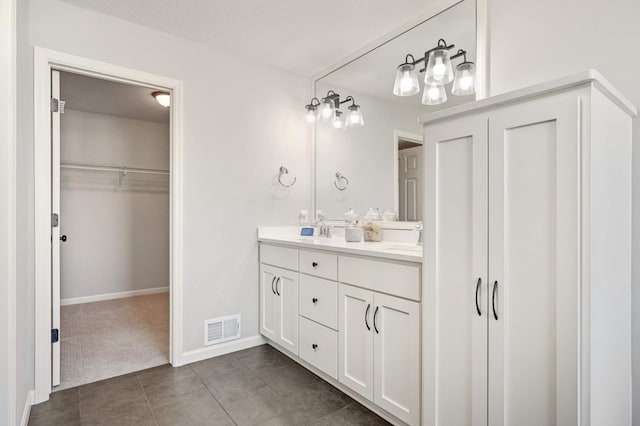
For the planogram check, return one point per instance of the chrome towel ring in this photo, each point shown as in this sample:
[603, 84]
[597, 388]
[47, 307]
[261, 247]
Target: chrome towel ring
[284, 171]
[341, 183]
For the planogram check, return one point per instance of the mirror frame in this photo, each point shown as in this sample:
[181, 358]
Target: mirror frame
[481, 60]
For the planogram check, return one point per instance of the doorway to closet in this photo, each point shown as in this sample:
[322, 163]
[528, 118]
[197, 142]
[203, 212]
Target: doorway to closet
[111, 267]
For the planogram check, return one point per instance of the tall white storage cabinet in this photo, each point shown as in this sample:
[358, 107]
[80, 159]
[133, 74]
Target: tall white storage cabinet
[527, 268]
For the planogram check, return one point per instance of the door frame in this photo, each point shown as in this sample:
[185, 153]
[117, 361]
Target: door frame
[397, 136]
[44, 61]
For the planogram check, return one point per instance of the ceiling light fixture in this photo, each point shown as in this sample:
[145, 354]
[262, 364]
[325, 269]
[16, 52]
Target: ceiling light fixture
[438, 72]
[163, 98]
[327, 110]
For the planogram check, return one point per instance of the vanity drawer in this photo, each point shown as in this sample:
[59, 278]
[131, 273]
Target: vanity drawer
[398, 279]
[324, 355]
[321, 265]
[318, 300]
[279, 256]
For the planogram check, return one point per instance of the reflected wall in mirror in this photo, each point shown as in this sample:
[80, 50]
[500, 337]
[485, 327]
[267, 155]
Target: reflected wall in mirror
[379, 165]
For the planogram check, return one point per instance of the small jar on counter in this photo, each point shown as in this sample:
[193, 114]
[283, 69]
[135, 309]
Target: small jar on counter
[352, 228]
[372, 225]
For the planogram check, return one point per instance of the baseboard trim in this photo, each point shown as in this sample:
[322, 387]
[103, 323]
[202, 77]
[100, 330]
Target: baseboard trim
[110, 296]
[220, 349]
[26, 411]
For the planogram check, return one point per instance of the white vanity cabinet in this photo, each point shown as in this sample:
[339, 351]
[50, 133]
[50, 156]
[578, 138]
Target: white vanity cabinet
[527, 258]
[357, 319]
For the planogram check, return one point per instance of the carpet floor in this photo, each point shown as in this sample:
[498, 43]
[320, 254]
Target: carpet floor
[107, 339]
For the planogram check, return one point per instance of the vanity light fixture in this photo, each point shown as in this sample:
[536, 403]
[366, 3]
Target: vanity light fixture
[438, 72]
[327, 110]
[163, 98]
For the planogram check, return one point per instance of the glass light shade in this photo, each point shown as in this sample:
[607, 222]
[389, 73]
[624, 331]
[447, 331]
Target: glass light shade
[338, 122]
[406, 83]
[311, 115]
[354, 117]
[465, 81]
[162, 98]
[327, 111]
[439, 69]
[434, 94]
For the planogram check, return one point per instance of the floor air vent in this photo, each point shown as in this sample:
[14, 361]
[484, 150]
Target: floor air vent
[221, 329]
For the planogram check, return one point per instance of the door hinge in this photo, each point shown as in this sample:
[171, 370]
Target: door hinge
[57, 105]
[55, 335]
[55, 220]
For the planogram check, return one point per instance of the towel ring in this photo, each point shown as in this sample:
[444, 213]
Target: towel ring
[338, 183]
[284, 171]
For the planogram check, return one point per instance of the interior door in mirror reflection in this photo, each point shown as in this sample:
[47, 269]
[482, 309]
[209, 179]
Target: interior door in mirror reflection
[410, 176]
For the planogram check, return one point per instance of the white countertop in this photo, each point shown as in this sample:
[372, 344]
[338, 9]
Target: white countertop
[391, 249]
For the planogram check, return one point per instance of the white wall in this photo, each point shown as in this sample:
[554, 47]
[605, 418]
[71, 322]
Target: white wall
[531, 42]
[363, 154]
[118, 235]
[242, 121]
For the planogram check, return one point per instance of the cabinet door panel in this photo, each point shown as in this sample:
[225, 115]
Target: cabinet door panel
[268, 303]
[286, 287]
[356, 339]
[455, 273]
[533, 257]
[396, 340]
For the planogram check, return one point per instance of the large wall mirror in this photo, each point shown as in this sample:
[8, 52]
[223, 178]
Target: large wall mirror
[379, 164]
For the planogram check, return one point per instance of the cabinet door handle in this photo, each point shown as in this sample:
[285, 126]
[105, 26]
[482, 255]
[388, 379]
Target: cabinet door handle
[375, 315]
[493, 300]
[314, 346]
[273, 281]
[277, 282]
[314, 264]
[314, 300]
[477, 291]
[366, 315]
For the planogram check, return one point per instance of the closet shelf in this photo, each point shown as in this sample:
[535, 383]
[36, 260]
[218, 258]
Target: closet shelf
[103, 168]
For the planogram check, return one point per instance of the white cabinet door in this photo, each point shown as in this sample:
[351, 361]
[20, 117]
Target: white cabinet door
[455, 273]
[286, 287]
[269, 320]
[396, 323]
[534, 263]
[355, 346]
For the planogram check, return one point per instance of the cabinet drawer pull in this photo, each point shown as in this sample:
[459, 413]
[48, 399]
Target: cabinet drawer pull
[477, 291]
[375, 315]
[277, 282]
[366, 315]
[314, 346]
[314, 264]
[314, 300]
[493, 300]
[272, 281]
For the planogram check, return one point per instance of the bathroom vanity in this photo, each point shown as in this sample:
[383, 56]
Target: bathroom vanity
[350, 312]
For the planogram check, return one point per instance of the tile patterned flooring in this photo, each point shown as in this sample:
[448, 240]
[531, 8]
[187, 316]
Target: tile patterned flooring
[113, 337]
[256, 386]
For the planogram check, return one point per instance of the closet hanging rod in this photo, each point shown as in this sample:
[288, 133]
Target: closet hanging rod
[101, 168]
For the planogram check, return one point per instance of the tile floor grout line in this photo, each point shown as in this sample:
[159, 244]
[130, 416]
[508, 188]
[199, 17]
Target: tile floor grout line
[214, 397]
[146, 397]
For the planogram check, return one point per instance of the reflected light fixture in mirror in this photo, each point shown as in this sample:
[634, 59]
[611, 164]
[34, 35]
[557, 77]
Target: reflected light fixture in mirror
[327, 110]
[162, 98]
[438, 72]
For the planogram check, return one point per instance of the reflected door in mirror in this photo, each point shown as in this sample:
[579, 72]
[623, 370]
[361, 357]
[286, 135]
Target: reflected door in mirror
[410, 180]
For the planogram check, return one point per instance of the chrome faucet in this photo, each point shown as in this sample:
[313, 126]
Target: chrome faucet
[419, 228]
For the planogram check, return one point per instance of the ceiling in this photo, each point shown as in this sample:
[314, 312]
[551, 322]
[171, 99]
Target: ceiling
[302, 36]
[108, 97]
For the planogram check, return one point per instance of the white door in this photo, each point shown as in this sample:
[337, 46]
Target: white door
[455, 273]
[286, 287]
[355, 345]
[410, 174]
[55, 232]
[268, 303]
[396, 354]
[534, 264]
